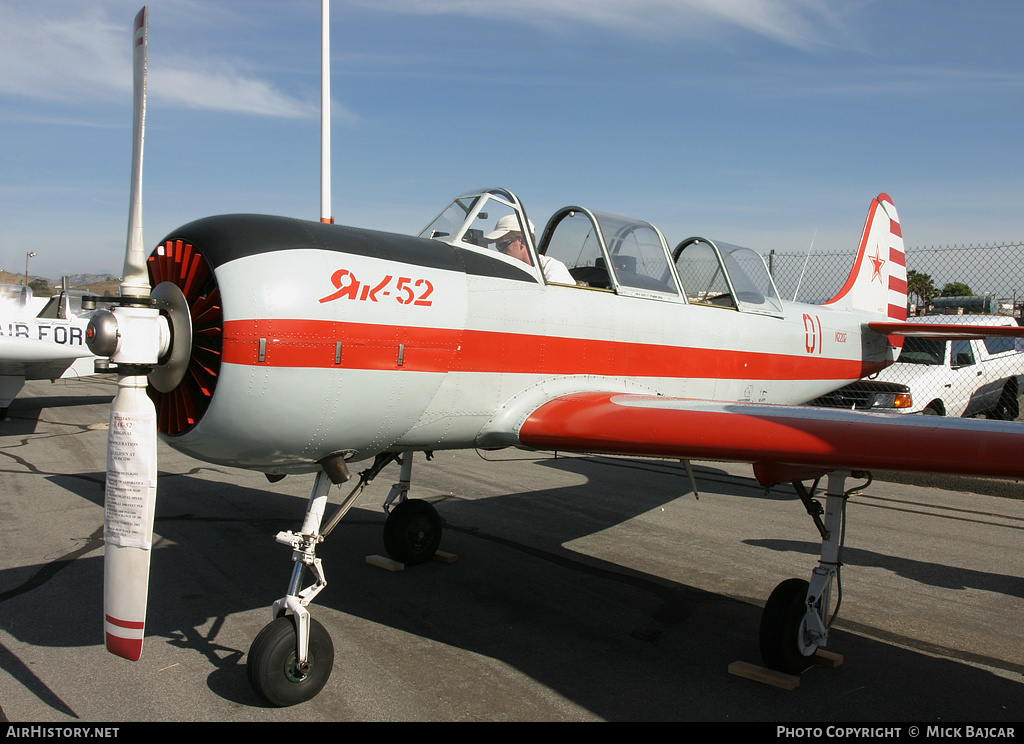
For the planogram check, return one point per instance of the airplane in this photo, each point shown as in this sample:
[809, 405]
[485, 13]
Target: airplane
[45, 346]
[290, 346]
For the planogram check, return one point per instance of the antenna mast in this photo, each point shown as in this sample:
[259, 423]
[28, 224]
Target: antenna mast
[325, 112]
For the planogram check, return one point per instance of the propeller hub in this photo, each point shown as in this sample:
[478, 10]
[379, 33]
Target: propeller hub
[101, 334]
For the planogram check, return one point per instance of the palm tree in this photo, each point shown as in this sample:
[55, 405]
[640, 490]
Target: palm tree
[921, 286]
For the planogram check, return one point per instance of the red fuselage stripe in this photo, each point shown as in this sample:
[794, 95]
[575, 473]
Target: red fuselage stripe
[314, 344]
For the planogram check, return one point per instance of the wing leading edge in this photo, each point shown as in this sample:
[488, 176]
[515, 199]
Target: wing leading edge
[945, 330]
[784, 443]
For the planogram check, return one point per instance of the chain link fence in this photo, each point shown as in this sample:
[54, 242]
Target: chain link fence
[979, 284]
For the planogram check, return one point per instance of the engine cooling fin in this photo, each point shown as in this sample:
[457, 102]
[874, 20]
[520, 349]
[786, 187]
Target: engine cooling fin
[178, 262]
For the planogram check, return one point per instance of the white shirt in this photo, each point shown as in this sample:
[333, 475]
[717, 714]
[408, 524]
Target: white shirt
[555, 271]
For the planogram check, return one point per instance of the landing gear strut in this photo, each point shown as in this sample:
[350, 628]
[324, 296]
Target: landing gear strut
[291, 659]
[795, 621]
[412, 532]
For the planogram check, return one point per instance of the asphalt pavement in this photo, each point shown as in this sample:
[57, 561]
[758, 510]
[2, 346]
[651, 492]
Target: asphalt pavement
[582, 589]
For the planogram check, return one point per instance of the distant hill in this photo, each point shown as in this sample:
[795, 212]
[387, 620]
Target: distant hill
[78, 281]
[101, 284]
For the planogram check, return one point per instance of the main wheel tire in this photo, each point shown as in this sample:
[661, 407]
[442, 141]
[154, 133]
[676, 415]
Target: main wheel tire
[412, 532]
[782, 626]
[272, 669]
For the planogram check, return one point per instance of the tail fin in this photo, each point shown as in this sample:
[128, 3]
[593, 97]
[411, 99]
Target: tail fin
[878, 281]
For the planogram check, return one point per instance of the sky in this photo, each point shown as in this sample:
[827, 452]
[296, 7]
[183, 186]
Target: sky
[764, 123]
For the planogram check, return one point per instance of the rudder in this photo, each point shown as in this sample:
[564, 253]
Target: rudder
[877, 284]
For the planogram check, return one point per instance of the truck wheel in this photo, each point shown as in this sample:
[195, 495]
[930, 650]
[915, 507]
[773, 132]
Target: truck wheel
[1007, 409]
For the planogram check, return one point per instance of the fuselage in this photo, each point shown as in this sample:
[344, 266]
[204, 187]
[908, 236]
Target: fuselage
[344, 341]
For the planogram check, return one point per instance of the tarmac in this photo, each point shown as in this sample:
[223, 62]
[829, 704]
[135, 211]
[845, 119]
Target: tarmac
[580, 589]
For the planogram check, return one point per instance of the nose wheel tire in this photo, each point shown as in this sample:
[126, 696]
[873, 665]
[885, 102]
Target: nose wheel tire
[412, 532]
[783, 647]
[272, 666]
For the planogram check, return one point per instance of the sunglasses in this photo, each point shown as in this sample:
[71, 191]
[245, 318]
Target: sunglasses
[503, 246]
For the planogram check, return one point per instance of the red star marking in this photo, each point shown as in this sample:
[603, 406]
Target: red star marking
[877, 264]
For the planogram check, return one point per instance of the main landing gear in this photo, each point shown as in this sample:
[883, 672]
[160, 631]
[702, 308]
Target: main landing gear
[291, 659]
[795, 621]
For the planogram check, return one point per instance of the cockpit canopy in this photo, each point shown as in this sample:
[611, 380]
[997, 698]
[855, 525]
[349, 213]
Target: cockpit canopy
[723, 275]
[471, 217]
[612, 253]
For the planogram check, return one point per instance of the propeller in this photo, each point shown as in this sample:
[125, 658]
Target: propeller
[135, 336]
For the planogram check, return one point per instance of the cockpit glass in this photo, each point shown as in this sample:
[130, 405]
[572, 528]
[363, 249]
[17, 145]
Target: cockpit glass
[702, 276]
[448, 224]
[754, 287]
[638, 253]
[471, 218]
[485, 221]
[726, 275]
[575, 242]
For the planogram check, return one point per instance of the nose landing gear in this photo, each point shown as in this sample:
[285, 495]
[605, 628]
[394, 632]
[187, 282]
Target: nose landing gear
[291, 659]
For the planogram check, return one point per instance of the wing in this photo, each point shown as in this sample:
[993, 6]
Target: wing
[945, 330]
[784, 443]
[37, 360]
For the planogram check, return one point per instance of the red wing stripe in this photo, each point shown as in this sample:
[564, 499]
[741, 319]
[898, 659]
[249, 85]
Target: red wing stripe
[313, 343]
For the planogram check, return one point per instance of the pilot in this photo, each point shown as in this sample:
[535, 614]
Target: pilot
[509, 240]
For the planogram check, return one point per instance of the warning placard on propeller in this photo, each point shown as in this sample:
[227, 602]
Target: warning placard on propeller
[131, 479]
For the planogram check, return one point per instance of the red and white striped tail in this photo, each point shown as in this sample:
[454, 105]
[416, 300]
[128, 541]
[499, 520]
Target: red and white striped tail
[877, 284]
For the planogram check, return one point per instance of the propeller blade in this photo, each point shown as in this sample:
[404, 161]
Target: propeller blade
[129, 504]
[130, 493]
[135, 279]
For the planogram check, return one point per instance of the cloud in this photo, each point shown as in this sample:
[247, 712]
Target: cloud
[79, 56]
[225, 89]
[796, 23]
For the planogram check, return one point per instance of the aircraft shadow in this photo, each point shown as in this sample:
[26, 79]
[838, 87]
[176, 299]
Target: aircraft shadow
[621, 643]
[24, 414]
[923, 572]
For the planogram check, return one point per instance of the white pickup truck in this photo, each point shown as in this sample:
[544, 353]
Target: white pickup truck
[961, 378]
[936, 377]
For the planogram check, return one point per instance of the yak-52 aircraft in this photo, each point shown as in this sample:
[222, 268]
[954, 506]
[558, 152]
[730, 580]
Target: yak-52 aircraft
[408, 344]
[41, 346]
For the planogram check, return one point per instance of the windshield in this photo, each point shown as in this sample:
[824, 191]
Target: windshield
[923, 351]
[18, 294]
[471, 217]
[449, 223]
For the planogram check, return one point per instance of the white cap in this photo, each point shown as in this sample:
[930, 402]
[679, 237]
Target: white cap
[504, 226]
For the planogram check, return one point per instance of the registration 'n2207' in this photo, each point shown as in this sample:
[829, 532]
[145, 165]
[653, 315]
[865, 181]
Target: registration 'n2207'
[406, 290]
